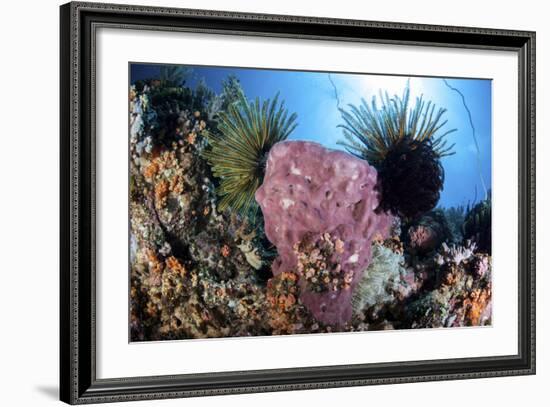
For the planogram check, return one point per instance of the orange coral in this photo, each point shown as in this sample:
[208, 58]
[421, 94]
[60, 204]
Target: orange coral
[155, 265]
[161, 193]
[167, 176]
[476, 304]
[377, 238]
[286, 301]
[173, 264]
[151, 170]
[226, 251]
[282, 291]
[451, 275]
[319, 263]
[176, 185]
[191, 137]
[151, 309]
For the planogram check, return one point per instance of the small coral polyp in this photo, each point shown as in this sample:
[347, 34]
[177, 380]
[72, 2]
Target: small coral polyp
[281, 295]
[320, 263]
[309, 190]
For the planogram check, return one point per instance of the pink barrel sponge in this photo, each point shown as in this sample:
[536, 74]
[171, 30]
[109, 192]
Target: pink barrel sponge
[309, 190]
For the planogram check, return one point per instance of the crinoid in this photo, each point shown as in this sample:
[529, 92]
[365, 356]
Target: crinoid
[405, 145]
[410, 178]
[238, 150]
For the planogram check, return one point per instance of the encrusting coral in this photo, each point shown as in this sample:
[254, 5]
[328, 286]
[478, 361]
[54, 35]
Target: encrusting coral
[191, 274]
[320, 263]
[428, 232]
[463, 292]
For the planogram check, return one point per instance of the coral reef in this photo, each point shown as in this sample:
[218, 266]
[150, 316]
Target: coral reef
[282, 297]
[311, 191]
[286, 313]
[160, 114]
[428, 232]
[477, 225]
[193, 269]
[168, 301]
[341, 244]
[423, 238]
[455, 219]
[320, 263]
[462, 295]
[455, 254]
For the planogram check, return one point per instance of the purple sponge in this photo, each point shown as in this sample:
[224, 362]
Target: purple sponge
[313, 193]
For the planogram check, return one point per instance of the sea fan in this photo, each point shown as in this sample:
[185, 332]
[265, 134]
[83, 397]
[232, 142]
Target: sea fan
[238, 153]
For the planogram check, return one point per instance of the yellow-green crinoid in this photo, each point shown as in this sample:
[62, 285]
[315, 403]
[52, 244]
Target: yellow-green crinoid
[238, 150]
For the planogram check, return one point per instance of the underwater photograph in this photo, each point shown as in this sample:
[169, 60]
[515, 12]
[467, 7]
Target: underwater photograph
[274, 202]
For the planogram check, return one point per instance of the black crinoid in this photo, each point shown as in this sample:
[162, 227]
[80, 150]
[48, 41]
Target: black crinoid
[405, 146]
[411, 178]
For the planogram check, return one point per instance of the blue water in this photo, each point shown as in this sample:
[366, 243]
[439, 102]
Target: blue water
[313, 97]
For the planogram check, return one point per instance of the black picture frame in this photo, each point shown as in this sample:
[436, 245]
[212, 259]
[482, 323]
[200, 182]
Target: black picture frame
[78, 382]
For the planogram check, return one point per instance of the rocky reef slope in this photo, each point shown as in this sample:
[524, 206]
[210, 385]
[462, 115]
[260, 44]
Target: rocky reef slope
[320, 257]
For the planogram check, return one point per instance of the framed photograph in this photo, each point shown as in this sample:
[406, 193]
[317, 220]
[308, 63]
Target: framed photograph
[255, 203]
